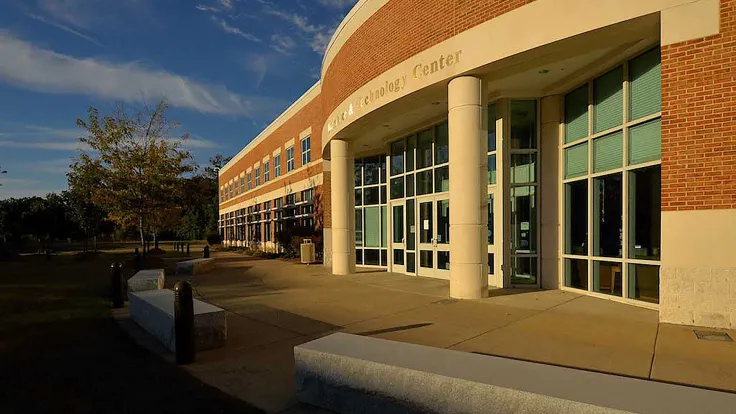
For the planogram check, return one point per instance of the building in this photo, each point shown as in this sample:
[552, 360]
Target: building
[564, 144]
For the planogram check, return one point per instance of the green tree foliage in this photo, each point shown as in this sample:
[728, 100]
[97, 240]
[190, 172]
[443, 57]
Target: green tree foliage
[136, 166]
[200, 202]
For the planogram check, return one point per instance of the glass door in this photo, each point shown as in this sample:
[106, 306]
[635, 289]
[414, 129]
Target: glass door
[398, 237]
[434, 237]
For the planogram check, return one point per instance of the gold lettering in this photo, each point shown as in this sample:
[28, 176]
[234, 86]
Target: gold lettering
[449, 60]
[442, 62]
[434, 67]
[416, 69]
[425, 70]
[457, 56]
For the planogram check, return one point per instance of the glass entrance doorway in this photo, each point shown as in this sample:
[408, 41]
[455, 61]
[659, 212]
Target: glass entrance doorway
[434, 237]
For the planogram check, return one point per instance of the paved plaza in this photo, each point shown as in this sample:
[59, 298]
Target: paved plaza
[273, 305]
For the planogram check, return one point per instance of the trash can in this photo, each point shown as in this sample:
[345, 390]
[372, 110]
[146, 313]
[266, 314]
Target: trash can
[307, 251]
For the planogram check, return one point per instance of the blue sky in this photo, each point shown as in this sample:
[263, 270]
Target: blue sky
[227, 68]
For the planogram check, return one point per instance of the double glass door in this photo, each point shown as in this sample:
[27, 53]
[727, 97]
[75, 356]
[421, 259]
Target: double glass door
[433, 228]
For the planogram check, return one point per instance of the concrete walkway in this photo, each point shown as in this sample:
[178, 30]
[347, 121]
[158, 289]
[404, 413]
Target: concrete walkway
[274, 305]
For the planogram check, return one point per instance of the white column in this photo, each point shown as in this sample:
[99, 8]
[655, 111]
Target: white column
[468, 188]
[343, 210]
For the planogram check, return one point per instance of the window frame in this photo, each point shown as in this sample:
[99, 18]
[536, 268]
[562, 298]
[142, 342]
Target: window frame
[306, 152]
[290, 159]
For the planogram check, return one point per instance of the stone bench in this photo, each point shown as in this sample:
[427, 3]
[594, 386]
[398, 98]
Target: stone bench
[150, 279]
[153, 310]
[355, 374]
[194, 266]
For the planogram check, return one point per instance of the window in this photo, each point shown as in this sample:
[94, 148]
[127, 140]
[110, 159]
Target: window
[371, 231]
[222, 194]
[242, 184]
[266, 172]
[306, 150]
[237, 186]
[289, 159]
[291, 199]
[258, 176]
[250, 182]
[308, 195]
[277, 166]
[612, 182]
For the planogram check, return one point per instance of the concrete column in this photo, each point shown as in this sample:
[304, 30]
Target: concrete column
[343, 210]
[468, 188]
[549, 177]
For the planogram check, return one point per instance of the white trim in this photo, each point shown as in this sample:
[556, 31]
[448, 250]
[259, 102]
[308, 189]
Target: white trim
[266, 159]
[276, 152]
[307, 132]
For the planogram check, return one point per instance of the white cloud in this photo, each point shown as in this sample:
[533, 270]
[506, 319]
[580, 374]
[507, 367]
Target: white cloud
[234, 30]
[64, 28]
[30, 67]
[259, 65]
[38, 131]
[339, 4]
[321, 40]
[228, 4]
[199, 143]
[301, 22]
[204, 8]
[318, 36]
[282, 43]
[44, 145]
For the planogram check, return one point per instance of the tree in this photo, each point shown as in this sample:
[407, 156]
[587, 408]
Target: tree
[201, 201]
[136, 165]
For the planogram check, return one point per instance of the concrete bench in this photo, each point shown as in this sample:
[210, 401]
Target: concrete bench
[153, 310]
[150, 279]
[194, 266]
[355, 374]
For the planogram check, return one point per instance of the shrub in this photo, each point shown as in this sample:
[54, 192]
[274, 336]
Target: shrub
[213, 238]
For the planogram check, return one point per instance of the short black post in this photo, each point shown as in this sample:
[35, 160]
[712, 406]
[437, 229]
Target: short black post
[207, 252]
[187, 249]
[137, 260]
[183, 322]
[48, 254]
[116, 285]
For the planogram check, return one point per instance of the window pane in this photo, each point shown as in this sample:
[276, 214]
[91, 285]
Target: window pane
[523, 168]
[645, 213]
[645, 142]
[441, 149]
[490, 219]
[383, 194]
[411, 229]
[398, 224]
[397, 187]
[397, 157]
[372, 226]
[608, 152]
[372, 170]
[644, 282]
[523, 124]
[358, 228]
[384, 258]
[358, 197]
[576, 114]
[372, 257]
[441, 179]
[524, 219]
[443, 260]
[525, 270]
[383, 169]
[576, 217]
[492, 169]
[410, 185]
[607, 216]
[371, 196]
[399, 257]
[358, 173]
[424, 149]
[424, 182]
[425, 258]
[359, 257]
[491, 264]
[384, 232]
[426, 231]
[608, 111]
[576, 160]
[646, 84]
[411, 262]
[576, 273]
[491, 127]
[443, 221]
[411, 144]
[607, 278]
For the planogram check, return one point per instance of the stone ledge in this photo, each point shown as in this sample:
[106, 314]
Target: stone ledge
[355, 374]
[194, 266]
[153, 310]
[150, 279]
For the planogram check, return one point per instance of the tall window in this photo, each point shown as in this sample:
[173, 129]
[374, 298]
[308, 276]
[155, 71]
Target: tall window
[306, 150]
[289, 159]
[266, 172]
[612, 181]
[242, 184]
[492, 187]
[258, 176]
[277, 166]
[250, 182]
[370, 211]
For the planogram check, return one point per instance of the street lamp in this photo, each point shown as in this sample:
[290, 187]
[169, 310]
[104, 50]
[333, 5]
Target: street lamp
[2, 173]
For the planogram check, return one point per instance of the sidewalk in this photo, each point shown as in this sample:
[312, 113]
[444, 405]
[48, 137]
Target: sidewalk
[274, 305]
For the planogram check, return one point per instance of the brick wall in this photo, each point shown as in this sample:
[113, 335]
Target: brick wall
[397, 31]
[699, 120]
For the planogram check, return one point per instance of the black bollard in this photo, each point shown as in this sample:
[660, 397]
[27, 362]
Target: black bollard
[48, 254]
[187, 249]
[137, 260]
[183, 322]
[116, 285]
[206, 251]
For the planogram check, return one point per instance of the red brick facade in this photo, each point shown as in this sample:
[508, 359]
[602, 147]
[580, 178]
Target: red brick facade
[699, 120]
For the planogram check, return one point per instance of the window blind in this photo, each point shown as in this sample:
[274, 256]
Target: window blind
[608, 152]
[576, 114]
[372, 226]
[645, 142]
[576, 160]
[609, 100]
[646, 84]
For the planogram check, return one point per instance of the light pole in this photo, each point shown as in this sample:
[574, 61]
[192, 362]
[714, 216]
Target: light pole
[2, 173]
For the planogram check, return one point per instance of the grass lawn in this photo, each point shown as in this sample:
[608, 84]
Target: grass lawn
[60, 350]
